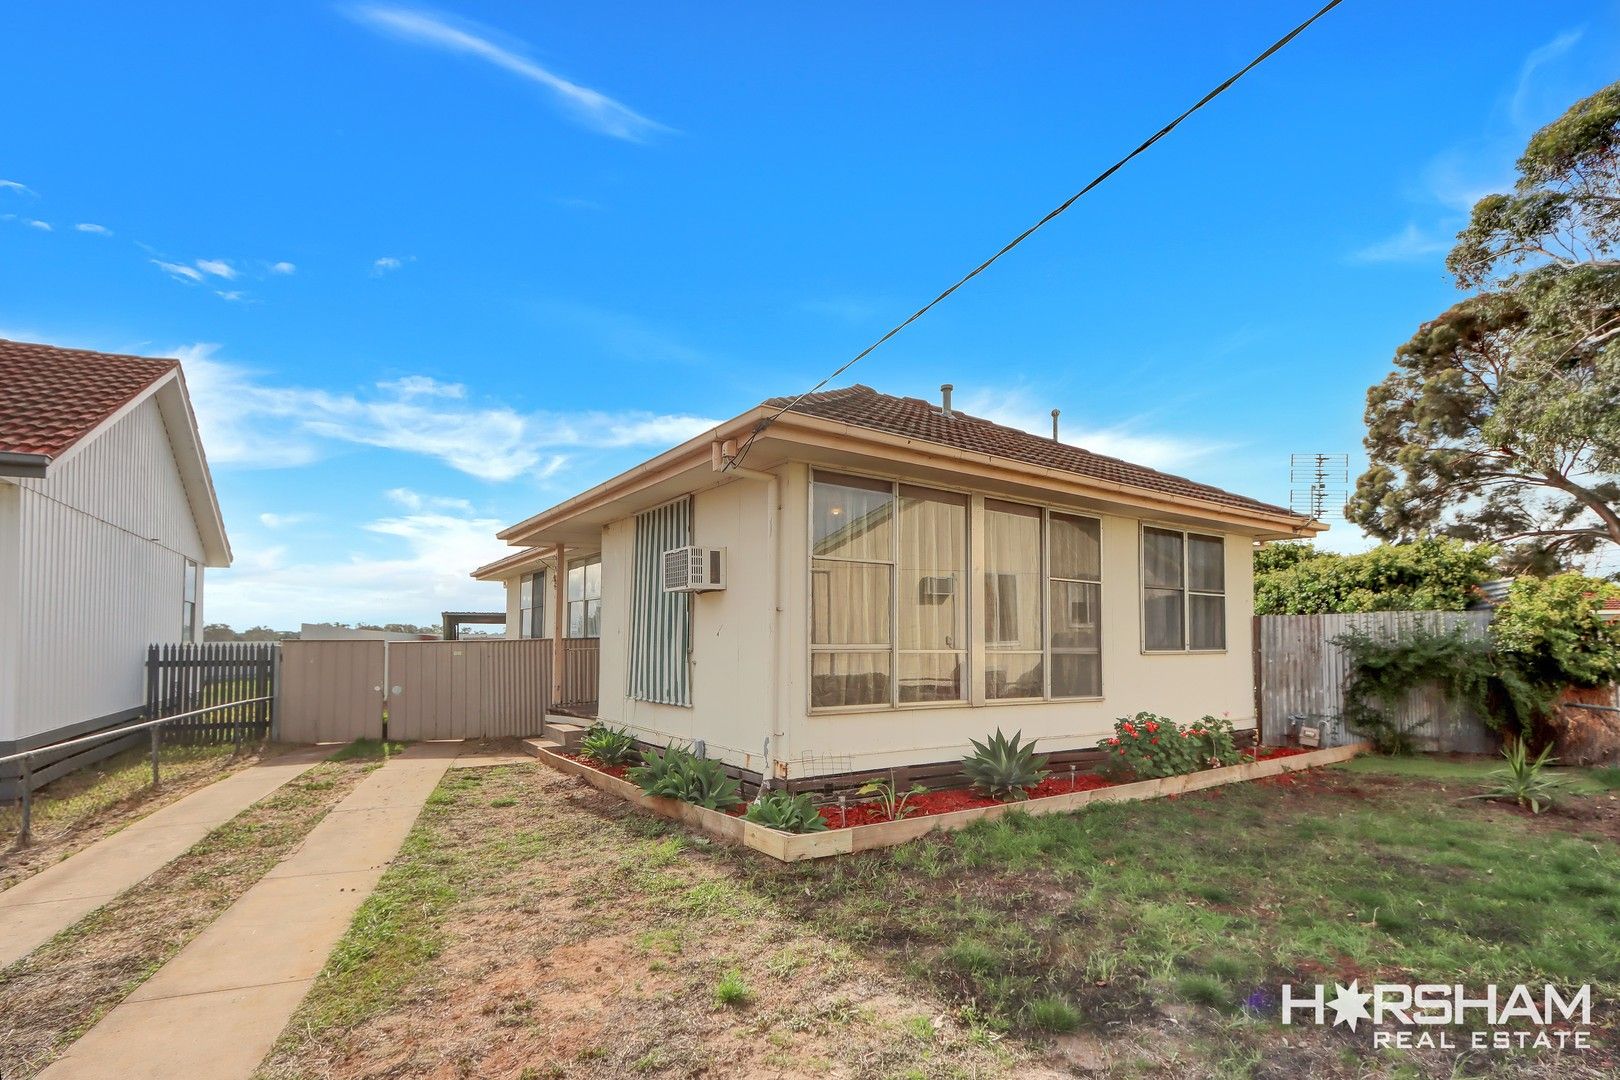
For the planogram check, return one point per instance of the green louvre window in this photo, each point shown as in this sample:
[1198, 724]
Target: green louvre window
[660, 622]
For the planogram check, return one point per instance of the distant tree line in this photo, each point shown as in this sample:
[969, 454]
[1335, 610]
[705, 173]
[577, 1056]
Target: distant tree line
[224, 632]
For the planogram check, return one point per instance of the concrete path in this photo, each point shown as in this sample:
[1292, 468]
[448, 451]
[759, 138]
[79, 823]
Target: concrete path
[36, 909]
[213, 1012]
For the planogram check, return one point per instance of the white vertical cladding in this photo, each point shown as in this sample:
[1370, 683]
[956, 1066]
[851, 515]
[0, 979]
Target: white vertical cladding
[514, 606]
[103, 542]
[10, 609]
[731, 632]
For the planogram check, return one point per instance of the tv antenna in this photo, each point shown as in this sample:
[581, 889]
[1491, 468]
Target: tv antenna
[1318, 484]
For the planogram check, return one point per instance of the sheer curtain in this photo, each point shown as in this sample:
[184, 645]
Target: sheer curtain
[851, 591]
[932, 601]
[1012, 602]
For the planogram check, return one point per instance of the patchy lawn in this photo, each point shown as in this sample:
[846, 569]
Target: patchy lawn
[75, 811]
[534, 927]
[53, 995]
[1132, 937]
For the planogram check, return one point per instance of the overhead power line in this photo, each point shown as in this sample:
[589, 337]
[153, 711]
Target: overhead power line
[1270, 51]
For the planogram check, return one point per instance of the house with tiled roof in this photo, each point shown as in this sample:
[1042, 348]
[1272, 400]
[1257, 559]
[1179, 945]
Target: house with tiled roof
[850, 580]
[108, 519]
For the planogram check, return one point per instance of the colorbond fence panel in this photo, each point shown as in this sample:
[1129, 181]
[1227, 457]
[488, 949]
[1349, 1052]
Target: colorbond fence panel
[1302, 672]
[467, 689]
[581, 670]
[330, 691]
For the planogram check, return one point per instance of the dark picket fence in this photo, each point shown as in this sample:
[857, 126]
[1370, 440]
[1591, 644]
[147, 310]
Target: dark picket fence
[240, 676]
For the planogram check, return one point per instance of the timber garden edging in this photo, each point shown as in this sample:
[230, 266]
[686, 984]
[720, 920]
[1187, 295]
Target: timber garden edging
[793, 847]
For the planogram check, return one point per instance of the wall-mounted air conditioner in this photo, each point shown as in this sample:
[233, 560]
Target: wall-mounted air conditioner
[936, 590]
[694, 569]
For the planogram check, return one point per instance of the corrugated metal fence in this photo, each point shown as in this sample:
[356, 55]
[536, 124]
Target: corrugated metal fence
[1301, 672]
[582, 667]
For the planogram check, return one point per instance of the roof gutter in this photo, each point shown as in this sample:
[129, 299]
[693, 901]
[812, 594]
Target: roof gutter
[32, 466]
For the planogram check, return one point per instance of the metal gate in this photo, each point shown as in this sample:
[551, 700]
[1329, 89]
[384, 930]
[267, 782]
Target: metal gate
[330, 691]
[467, 689]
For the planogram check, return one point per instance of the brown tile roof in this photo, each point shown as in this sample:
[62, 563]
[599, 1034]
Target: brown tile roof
[50, 398]
[914, 418]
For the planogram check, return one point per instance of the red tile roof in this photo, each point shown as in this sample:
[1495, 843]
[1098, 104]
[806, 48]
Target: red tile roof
[1611, 603]
[914, 418]
[50, 398]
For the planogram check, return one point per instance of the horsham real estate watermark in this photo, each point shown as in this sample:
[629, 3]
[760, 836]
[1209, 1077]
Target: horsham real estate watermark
[1449, 1016]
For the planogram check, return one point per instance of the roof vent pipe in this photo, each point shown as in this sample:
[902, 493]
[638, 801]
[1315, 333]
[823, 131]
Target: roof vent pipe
[1054, 425]
[945, 393]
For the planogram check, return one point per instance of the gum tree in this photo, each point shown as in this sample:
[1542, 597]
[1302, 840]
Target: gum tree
[1501, 420]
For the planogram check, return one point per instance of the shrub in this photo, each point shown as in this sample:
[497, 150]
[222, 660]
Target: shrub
[890, 802]
[1003, 769]
[1431, 574]
[790, 813]
[606, 745]
[1521, 780]
[1151, 747]
[676, 773]
[1551, 630]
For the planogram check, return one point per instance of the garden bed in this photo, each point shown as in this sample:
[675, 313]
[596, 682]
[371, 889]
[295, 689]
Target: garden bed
[943, 810]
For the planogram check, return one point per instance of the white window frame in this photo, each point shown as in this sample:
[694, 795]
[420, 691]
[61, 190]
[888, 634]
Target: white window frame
[190, 586]
[975, 632]
[585, 600]
[1187, 591]
[532, 617]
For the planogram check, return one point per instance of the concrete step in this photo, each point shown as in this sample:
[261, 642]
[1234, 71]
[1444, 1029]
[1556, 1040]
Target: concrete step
[532, 747]
[568, 735]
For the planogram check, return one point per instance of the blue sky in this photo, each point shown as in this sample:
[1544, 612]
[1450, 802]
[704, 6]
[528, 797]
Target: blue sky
[434, 269]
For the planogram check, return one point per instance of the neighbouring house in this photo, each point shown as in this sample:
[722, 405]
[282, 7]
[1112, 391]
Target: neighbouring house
[108, 520]
[875, 580]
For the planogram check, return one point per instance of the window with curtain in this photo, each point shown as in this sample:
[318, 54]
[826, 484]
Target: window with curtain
[584, 591]
[1014, 646]
[532, 606]
[852, 569]
[931, 599]
[1074, 605]
[1183, 591]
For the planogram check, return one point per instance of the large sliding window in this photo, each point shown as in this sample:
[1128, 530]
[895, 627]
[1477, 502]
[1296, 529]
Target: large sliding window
[890, 604]
[1183, 591]
[585, 598]
[532, 606]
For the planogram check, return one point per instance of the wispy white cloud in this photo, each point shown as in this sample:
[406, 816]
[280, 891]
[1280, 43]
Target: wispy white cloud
[283, 267]
[412, 500]
[92, 227]
[1411, 244]
[179, 271]
[283, 521]
[231, 295]
[19, 188]
[405, 567]
[249, 421]
[591, 108]
[1128, 440]
[388, 264]
[218, 268]
[1523, 97]
[42, 226]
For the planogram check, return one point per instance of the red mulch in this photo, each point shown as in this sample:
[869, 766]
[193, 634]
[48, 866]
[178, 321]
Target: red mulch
[951, 800]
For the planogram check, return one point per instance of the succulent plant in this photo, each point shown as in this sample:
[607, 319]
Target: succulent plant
[790, 813]
[680, 774]
[607, 745]
[1002, 768]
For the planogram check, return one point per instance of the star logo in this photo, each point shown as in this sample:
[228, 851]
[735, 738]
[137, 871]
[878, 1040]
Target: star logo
[1349, 1005]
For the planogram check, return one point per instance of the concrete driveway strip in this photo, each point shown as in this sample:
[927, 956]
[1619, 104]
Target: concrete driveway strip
[213, 1012]
[38, 908]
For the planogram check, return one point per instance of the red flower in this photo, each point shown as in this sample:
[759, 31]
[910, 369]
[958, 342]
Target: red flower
[1152, 727]
[1114, 741]
[1122, 749]
[1154, 740]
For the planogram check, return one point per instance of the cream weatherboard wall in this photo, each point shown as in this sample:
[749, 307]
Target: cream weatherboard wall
[94, 556]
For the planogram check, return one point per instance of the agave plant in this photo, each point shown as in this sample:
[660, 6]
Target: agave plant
[607, 745]
[679, 774]
[790, 813]
[890, 801]
[1002, 768]
[1522, 781]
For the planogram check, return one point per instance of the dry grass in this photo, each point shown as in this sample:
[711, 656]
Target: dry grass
[75, 811]
[56, 993]
[534, 927]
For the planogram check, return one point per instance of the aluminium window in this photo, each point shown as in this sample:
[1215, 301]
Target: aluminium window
[188, 604]
[1183, 591]
[532, 606]
[584, 591]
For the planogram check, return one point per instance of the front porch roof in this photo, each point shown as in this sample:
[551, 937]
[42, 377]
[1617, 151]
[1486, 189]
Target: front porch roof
[861, 429]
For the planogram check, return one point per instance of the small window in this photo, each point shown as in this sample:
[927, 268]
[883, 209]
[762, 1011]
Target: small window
[1183, 591]
[585, 598]
[188, 604]
[532, 606]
